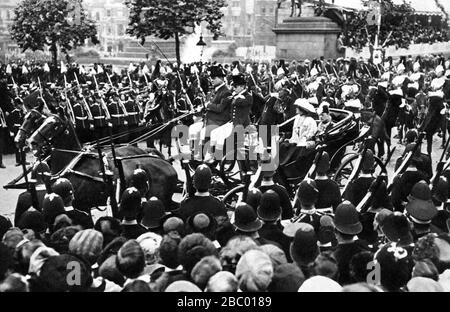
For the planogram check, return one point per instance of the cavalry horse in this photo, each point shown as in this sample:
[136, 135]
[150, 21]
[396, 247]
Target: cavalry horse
[56, 137]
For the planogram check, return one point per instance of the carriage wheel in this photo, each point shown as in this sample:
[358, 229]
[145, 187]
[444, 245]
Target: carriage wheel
[348, 165]
[231, 198]
[229, 169]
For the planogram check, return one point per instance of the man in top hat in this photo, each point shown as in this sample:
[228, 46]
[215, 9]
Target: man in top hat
[358, 188]
[329, 194]
[218, 110]
[347, 227]
[241, 102]
[202, 200]
[421, 210]
[269, 212]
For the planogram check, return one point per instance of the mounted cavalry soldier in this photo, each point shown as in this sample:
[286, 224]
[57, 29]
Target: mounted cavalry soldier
[15, 120]
[82, 118]
[100, 120]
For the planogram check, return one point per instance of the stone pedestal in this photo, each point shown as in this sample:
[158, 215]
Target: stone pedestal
[306, 37]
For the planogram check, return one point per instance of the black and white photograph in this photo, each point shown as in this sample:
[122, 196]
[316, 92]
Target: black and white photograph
[224, 146]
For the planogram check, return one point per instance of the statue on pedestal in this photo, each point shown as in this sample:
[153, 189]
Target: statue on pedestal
[295, 4]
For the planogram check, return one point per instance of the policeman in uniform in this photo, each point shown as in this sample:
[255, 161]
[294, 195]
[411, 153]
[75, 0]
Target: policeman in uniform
[329, 194]
[308, 195]
[420, 210]
[403, 184]
[64, 188]
[360, 186]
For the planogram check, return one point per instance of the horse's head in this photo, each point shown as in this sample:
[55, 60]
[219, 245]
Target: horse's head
[32, 120]
[43, 137]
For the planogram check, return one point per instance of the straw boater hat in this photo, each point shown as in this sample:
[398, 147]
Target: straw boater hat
[305, 105]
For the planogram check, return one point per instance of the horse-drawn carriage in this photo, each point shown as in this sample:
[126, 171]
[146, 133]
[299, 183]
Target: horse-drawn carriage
[345, 142]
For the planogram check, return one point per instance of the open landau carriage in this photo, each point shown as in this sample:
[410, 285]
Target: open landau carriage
[344, 142]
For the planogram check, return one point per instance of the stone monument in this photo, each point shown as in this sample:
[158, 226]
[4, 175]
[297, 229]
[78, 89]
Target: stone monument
[306, 36]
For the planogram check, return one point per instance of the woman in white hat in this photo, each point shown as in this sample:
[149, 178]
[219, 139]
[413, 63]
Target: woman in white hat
[303, 132]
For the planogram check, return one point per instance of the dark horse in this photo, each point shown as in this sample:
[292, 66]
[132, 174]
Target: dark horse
[82, 166]
[163, 110]
[433, 120]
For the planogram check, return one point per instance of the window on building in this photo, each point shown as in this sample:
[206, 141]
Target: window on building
[236, 31]
[109, 31]
[108, 13]
[263, 11]
[97, 16]
[236, 4]
[120, 30]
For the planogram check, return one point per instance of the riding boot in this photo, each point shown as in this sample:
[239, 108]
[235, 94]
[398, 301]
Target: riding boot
[18, 157]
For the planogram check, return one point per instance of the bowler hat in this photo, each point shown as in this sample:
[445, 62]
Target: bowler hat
[395, 226]
[346, 219]
[245, 218]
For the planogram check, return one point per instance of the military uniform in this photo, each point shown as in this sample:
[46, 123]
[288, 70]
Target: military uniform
[82, 122]
[100, 122]
[15, 120]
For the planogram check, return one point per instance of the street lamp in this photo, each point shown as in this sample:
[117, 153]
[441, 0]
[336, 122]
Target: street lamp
[202, 44]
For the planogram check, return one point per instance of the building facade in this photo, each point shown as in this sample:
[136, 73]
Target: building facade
[7, 45]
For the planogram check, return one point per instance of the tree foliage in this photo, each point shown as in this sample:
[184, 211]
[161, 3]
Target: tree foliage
[52, 23]
[167, 19]
[395, 19]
